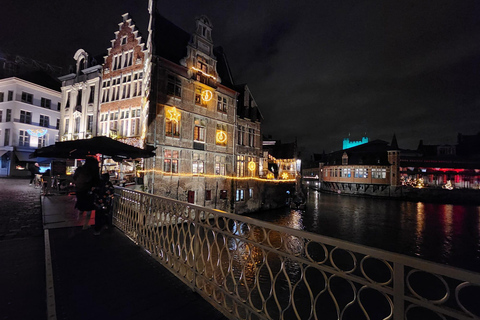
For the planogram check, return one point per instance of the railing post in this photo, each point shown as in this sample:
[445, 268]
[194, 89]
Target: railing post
[141, 215]
[196, 249]
[398, 291]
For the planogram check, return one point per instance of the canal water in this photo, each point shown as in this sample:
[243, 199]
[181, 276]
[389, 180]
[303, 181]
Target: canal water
[443, 233]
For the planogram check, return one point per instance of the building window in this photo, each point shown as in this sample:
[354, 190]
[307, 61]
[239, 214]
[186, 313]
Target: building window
[124, 40]
[222, 104]
[198, 97]
[42, 141]
[174, 86]
[27, 97]
[1, 96]
[10, 96]
[223, 194]
[220, 165]
[135, 123]
[208, 195]
[25, 117]
[58, 124]
[198, 163]
[378, 173]
[89, 123]
[250, 192]
[23, 139]
[91, 97]
[221, 137]
[44, 121]
[172, 123]
[137, 84]
[241, 135]
[240, 195]
[199, 130]
[170, 161]
[67, 124]
[6, 138]
[45, 103]
[240, 166]
[106, 91]
[77, 125]
[58, 106]
[127, 83]
[8, 116]
[1, 115]
[79, 98]
[251, 137]
[202, 64]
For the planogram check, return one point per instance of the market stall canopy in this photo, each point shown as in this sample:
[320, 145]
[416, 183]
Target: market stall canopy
[79, 149]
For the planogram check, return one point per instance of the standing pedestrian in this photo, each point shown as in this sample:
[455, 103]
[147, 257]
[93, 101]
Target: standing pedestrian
[34, 170]
[86, 179]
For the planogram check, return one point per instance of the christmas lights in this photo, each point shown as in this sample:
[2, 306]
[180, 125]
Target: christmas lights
[251, 166]
[173, 114]
[37, 132]
[268, 179]
[207, 95]
[221, 136]
[205, 74]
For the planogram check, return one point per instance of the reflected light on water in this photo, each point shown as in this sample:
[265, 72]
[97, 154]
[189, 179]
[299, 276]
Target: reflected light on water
[420, 228]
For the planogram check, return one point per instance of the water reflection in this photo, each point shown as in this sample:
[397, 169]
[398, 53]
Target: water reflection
[444, 233]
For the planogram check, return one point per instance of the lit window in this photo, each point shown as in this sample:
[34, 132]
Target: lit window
[199, 130]
[23, 139]
[170, 161]
[240, 195]
[198, 163]
[221, 137]
[172, 122]
[220, 165]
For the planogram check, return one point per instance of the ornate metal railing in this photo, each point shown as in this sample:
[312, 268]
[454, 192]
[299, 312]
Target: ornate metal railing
[250, 269]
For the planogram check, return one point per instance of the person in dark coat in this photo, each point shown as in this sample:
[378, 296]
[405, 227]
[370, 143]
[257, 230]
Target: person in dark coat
[33, 171]
[86, 179]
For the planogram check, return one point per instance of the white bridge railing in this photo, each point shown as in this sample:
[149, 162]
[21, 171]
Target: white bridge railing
[249, 269]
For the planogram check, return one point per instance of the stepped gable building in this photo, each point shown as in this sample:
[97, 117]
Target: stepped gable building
[123, 107]
[29, 119]
[80, 98]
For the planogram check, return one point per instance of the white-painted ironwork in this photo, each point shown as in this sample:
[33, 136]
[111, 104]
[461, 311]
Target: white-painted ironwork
[250, 269]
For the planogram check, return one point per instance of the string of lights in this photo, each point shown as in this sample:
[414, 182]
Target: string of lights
[214, 176]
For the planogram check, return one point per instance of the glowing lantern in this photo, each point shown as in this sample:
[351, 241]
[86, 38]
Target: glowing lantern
[251, 166]
[221, 136]
[207, 95]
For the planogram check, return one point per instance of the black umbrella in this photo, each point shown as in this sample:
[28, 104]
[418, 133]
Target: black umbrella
[79, 149]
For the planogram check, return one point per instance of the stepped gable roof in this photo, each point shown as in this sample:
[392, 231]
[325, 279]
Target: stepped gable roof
[42, 78]
[371, 153]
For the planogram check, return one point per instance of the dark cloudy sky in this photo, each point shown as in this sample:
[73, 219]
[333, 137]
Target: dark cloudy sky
[319, 70]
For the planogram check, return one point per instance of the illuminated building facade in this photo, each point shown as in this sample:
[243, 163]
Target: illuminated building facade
[29, 119]
[122, 104]
[350, 144]
[370, 168]
[248, 151]
[192, 116]
[80, 98]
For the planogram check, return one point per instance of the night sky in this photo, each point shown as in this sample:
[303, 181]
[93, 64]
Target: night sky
[320, 71]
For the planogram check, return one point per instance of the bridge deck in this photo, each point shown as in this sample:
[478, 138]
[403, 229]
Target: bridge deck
[109, 277]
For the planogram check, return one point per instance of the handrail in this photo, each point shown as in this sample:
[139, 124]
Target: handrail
[251, 269]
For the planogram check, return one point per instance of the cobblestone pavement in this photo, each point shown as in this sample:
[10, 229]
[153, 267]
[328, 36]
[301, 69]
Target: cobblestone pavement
[20, 209]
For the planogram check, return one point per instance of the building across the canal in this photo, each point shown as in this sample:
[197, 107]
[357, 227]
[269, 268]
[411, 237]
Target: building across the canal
[378, 168]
